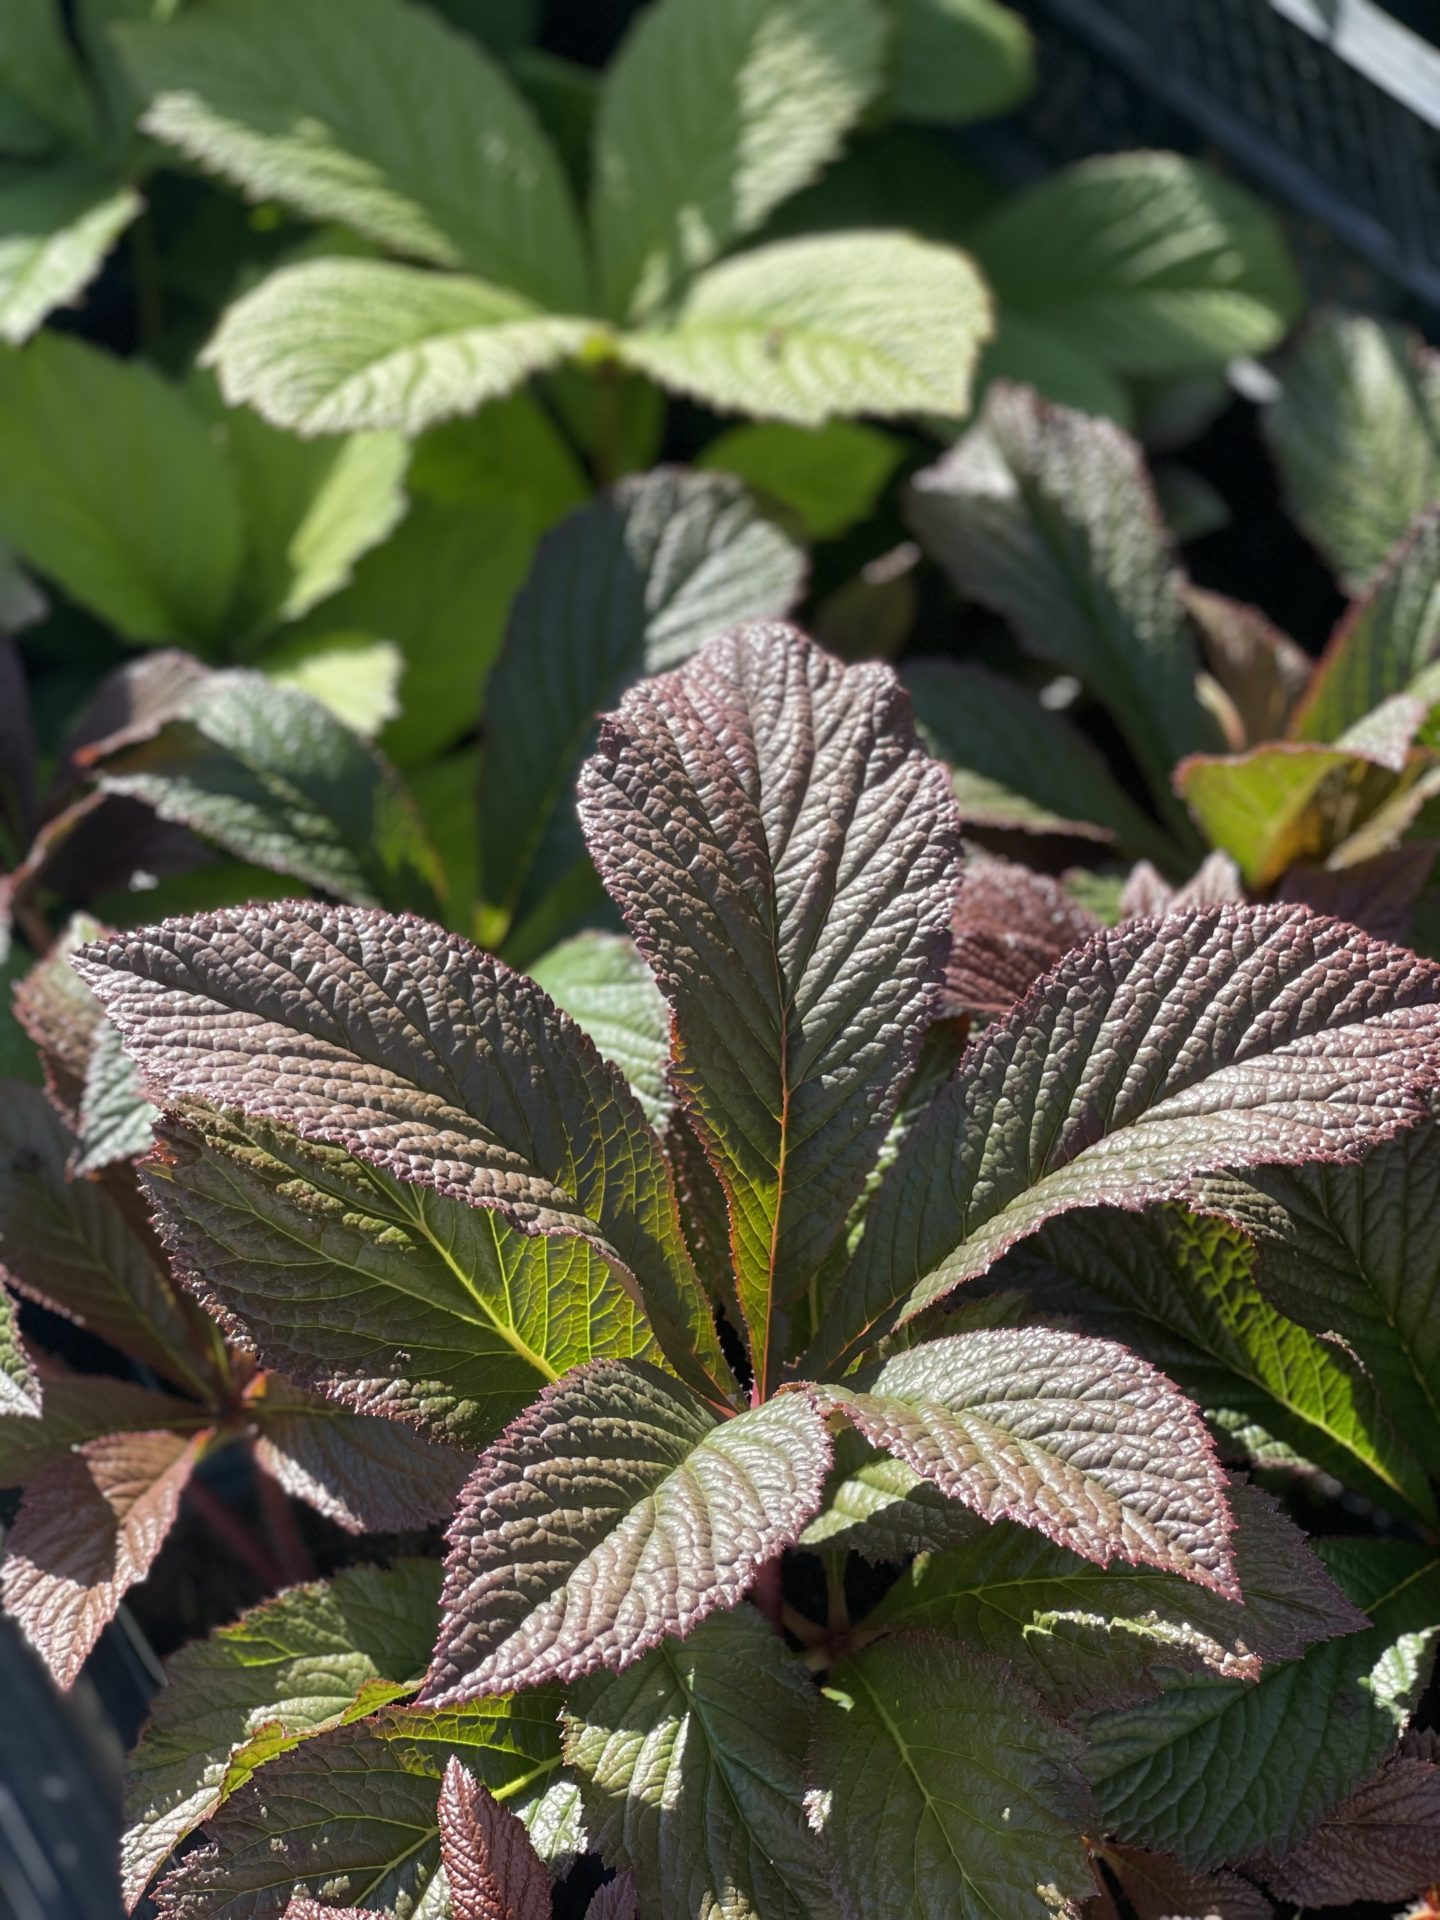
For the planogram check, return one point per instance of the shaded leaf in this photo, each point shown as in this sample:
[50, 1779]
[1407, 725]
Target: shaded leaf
[1383, 1844]
[43, 98]
[1011, 925]
[1147, 895]
[613, 1513]
[1260, 671]
[88, 1528]
[316, 1657]
[602, 982]
[1381, 894]
[57, 227]
[492, 1870]
[117, 1122]
[80, 1407]
[20, 1393]
[632, 584]
[944, 1788]
[615, 1900]
[792, 892]
[876, 1506]
[344, 346]
[827, 477]
[803, 330]
[958, 60]
[1214, 1038]
[688, 1787]
[387, 142]
[1159, 1888]
[429, 1051]
[708, 120]
[1355, 433]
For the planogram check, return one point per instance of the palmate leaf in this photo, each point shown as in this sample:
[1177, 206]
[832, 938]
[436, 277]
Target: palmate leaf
[941, 1786]
[341, 346]
[1047, 516]
[89, 1526]
[1072, 1436]
[1088, 1636]
[386, 1296]
[375, 1785]
[699, 1795]
[802, 330]
[419, 1055]
[1214, 1770]
[80, 1407]
[352, 675]
[1245, 1362]
[406, 132]
[615, 1900]
[1355, 433]
[708, 119]
[57, 227]
[1213, 1038]
[792, 893]
[613, 1513]
[634, 583]
[316, 1657]
[491, 1869]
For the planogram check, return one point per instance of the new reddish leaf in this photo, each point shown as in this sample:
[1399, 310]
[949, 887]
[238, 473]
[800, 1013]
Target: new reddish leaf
[493, 1871]
[1011, 925]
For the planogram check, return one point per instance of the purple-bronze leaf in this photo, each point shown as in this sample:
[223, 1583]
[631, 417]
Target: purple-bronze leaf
[1382, 1844]
[1011, 925]
[89, 1527]
[1158, 1887]
[613, 1513]
[1230, 1037]
[411, 1049]
[615, 1900]
[786, 856]
[1072, 1436]
[493, 1870]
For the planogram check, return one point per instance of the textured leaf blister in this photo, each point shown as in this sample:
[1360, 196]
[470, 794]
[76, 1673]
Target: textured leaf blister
[1383, 1844]
[414, 1051]
[1075, 1437]
[786, 856]
[614, 1512]
[1230, 1037]
[492, 1870]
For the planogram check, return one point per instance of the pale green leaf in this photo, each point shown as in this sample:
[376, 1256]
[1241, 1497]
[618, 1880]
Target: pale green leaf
[828, 477]
[803, 330]
[354, 677]
[398, 127]
[20, 1393]
[56, 228]
[339, 346]
[510, 454]
[958, 60]
[710, 116]
[116, 1120]
[601, 981]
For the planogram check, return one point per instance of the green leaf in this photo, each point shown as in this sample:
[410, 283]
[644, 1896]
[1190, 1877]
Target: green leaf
[1016, 765]
[1150, 262]
[793, 896]
[20, 1393]
[44, 103]
[511, 454]
[1197, 1278]
[691, 1789]
[1260, 671]
[407, 132]
[1041, 356]
[1086, 1636]
[1355, 433]
[1047, 516]
[316, 1657]
[1159, 1051]
[877, 1506]
[432, 1051]
[341, 346]
[273, 777]
[616, 1512]
[389, 1297]
[828, 477]
[352, 676]
[352, 1812]
[632, 584]
[1381, 1845]
[1385, 643]
[958, 60]
[709, 119]
[1214, 1770]
[601, 981]
[56, 228]
[803, 330]
[116, 1120]
[1074, 1437]
[944, 1788]
[111, 485]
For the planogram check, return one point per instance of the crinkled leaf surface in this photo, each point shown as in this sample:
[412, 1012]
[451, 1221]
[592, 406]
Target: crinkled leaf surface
[389, 1297]
[615, 1900]
[57, 225]
[633, 583]
[315, 1657]
[1355, 433]
[1072, 1436]
[844, 323]
[615, 1512]
[117, 1122]
[602, 982]
[80, 1407]
[945, 1789]
[353, 1812]
[1087, 1636]
[20, 1392]
[876, 1506]
[785, 855]
[689, 1786]
[344, 346]
[1214, 1038]
[1047, 516]
[404, 131]
[88, 1528]
[710, 117]
[492, 1870]
[417, 1054]
[1011, 925]
[1383, 1844]
[1213, 1770]
[1159, 1888]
